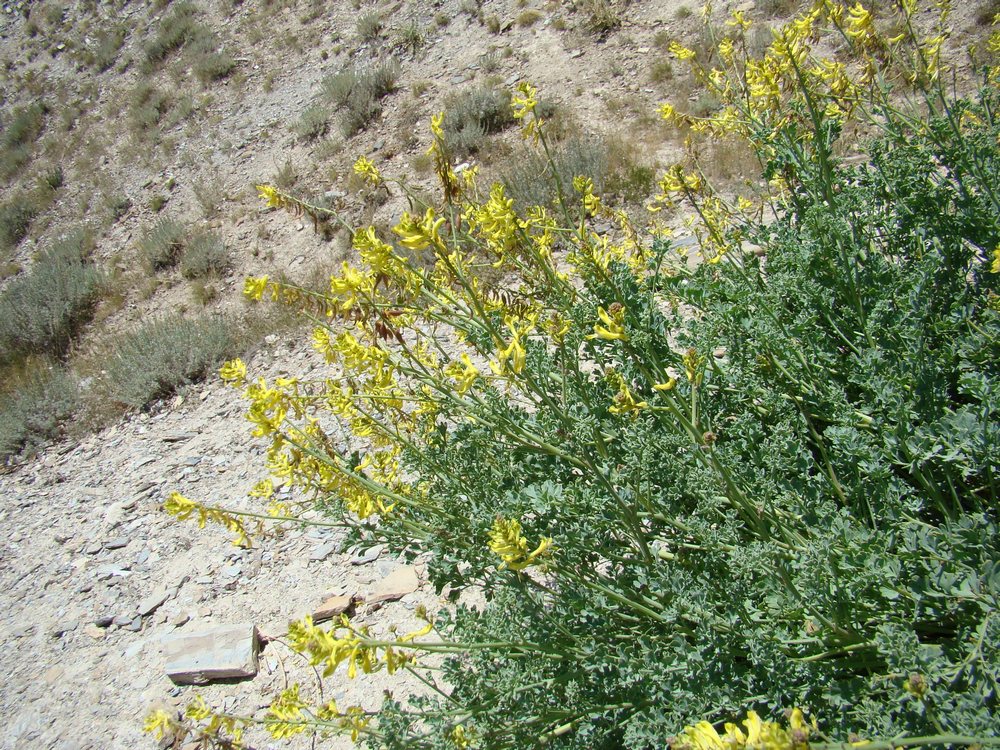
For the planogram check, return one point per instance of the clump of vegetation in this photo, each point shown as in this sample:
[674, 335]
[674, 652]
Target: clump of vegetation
[601, 15]
[158, 358]
[530, 17]
[35, 406]
[410, 37]
[613, 166]
[108, 45]
[358, 93]
[16, 215]
[314, 122]
[148, 105]
[369, 26]
[181, 29]
[20, 131]
[41, 310]
[745, 502]
[474, 114]
[204, 255]
[161, 245]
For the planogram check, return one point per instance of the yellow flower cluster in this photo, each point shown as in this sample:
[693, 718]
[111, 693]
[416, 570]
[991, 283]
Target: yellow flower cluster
[755, 735]
[183, 508]
[507, 541]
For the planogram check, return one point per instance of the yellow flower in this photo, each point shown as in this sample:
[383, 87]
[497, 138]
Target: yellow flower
[464, 372]
[459, 737]
[285, 717]
[160, 722]
[524, 101]
[612, 330]
[253, 288]
[669, 385]
[668, 112]
[507, 541]
[418, 234]
[739, 20]
[995, 266]
[860, 26]
[234, 372]
[680, 51]
[271, 195]
[366, 169]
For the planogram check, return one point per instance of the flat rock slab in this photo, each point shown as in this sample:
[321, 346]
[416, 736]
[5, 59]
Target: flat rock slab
[396, 585]
[335, 606]
[223, 653]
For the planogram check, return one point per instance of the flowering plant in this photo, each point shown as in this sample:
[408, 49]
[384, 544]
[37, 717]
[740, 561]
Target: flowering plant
[763, 484]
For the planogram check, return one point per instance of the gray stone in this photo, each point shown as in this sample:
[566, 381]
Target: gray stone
[177, 437]
[116, 543]
[221, 653]
[152, 603]
[369, 555]
[135, 626]
[320, 553]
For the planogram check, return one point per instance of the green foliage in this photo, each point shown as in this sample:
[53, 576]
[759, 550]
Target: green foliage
[761, 479]
[530, 17]
[472, 115]
[161, 356]
[161, 244]
[41, 310]
[204, 255]
[35, 406]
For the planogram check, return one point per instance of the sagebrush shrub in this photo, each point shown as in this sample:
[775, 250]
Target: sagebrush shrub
[35, 406]
[41, 310]
[204, 255]
[156, 359]
[161, 244]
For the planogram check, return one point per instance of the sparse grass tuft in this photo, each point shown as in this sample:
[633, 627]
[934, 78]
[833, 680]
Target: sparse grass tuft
[369, 26]
[602, 15]
[108, 45]
[777, 8]
[161, 356]
[43, 309]
[410, 37]
[38, 402]
[614, 166]
[181, 29]
[161, 245]
[176, 29]
[147, 107]
[529, 18]
[661, 71]
[204, 255]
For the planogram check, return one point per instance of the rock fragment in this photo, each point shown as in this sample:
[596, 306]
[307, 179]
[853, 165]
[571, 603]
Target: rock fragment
[396, 585]
[220, 653]
[335, 606]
